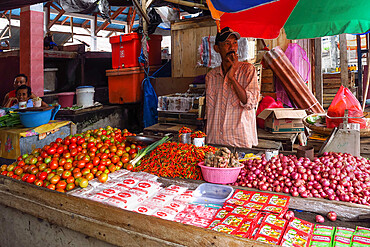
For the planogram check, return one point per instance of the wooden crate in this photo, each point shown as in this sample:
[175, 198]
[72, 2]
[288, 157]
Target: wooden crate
[186, 38]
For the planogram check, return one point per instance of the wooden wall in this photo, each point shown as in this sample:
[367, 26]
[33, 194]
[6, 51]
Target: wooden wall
[186, 38]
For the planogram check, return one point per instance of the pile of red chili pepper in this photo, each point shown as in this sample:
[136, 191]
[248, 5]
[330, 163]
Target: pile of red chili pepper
[175, 160]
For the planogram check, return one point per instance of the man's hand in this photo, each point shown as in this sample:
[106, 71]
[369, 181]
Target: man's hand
[232, 58]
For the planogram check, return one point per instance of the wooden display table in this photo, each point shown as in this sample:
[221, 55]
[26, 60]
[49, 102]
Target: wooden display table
[68, 218]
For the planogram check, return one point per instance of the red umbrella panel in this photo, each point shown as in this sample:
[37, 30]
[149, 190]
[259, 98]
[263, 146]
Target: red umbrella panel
[262, 22]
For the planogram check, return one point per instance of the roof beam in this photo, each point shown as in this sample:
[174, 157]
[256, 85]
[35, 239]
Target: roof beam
[189, 4]
[113, 16]
[64, 21]
[88, 17]
[131, 20]
[56, 18]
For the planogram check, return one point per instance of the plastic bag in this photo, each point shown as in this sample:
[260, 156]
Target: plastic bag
[343, 100]
[266, 102]
[155, 19]
[86, 7]
[298, 57]
[150, 113]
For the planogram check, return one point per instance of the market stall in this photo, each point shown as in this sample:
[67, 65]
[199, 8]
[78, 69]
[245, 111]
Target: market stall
[98, 206]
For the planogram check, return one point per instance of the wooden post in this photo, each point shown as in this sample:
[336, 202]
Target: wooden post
[343, 59]
[318, 71]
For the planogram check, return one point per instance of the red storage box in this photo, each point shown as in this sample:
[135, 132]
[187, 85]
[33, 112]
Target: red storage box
[125, 84]
[126, 49]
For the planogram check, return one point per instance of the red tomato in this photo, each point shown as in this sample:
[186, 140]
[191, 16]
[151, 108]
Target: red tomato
[81, 164]
[58, 140]
[72, 146]
[39, 182]
[51, 151]
[80, 141]
[70, 179]
[95, 161]
[103, 178]
[60, 150]
[43, 175]
[51, 186]
[66, 174]
[70, 186]
[90, 145]
[53, 164]
[4, 173]
[55, 179]
[74, 139]
[24, 176]
[101, 167]
[74, 152]
[61, 184]
[67, 166]
[89, 165]
[18, 171]
[129, 167]
[31, 178]
[79, 148]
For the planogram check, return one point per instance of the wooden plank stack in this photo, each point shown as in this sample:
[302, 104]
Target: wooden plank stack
[332, 83]
[267, 86]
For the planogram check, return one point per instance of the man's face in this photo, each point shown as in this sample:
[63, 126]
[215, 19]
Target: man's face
[18, 81]
[22, 95]
[227, 48]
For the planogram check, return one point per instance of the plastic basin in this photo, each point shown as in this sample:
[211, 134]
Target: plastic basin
[213, 193]
[66, 99]
[33, 119]
[220, 175]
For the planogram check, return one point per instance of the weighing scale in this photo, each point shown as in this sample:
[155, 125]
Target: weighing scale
[345, 139]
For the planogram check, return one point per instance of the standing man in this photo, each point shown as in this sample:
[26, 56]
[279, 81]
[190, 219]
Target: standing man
[232, 94]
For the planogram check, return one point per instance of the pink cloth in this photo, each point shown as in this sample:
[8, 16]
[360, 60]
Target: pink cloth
[229, 122]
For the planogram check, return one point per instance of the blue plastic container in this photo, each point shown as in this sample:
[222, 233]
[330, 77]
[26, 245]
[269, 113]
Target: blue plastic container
[33, 119]
[213, 193]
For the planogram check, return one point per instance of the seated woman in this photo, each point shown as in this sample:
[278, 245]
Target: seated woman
[19, 80]
[23, 95]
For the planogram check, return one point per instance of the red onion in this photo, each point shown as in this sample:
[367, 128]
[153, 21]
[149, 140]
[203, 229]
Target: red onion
[288, 215]
[334, 176]
[320, 219]
[332, 216]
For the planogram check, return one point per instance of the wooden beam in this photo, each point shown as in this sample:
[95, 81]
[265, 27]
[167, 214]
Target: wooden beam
[55, 7]
[189, 4]
[318, 71]
[141, 10]
[85, 23]
[64, 21]
[113, 16]
[343, 59]
[56, 18]
[132, 21]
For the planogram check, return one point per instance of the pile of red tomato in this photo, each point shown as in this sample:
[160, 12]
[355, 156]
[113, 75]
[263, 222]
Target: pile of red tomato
[75, 160]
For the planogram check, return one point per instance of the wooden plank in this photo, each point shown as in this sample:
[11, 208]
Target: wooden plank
[193, 23]
[126, 225]
[268, 87]
[318, 71]
[343, 59]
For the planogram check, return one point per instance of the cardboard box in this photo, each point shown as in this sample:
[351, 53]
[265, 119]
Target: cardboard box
[283, 120]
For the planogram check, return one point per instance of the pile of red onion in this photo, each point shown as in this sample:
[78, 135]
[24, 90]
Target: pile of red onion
[334, 176]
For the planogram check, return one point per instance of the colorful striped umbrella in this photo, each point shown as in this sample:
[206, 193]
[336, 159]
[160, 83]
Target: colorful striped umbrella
[301, 19]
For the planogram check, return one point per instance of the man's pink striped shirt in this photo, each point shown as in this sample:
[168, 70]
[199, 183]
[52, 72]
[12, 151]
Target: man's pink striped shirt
[229, 122]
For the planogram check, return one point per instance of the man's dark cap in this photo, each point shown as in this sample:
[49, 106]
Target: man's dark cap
[225, 33]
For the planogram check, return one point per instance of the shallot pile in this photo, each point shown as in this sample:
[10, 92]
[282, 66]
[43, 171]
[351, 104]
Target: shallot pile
[333, 176]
